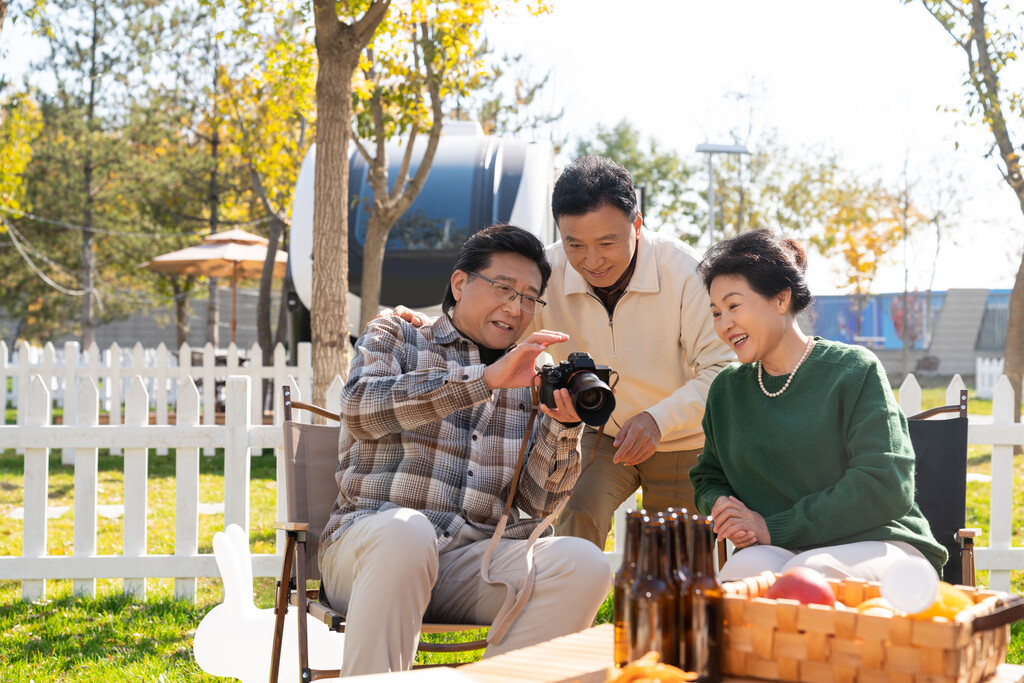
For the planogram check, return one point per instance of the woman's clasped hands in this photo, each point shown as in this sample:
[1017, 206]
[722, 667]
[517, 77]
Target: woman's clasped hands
[738, 523]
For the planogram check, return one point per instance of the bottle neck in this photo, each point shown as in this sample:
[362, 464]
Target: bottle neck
[634, 529]
[702, 546]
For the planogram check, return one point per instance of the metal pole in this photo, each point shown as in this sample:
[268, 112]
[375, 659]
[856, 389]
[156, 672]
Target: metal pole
[711, 200]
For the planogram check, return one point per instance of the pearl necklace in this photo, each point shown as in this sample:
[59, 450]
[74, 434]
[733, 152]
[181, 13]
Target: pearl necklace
[773, 394]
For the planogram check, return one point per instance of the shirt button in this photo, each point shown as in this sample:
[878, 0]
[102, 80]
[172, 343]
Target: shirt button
[469, 472]
[465, 377]
[446, 534]
[522, 407]
[474, 437]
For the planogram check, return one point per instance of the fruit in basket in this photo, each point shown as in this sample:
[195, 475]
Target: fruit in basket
[803, 584]
[949, 601]
[877, 607]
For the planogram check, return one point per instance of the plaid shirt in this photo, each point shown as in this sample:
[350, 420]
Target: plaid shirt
[420, 429]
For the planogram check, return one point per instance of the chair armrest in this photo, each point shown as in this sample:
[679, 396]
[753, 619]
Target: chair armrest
[968, 533]
[291, 526]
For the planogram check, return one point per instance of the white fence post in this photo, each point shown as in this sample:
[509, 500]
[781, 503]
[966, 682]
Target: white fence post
[186, 489]
[160, 376]
[69, 404]
[1001, 512]
[136, 469]
[237, 466]
[987, 372]
[86, 487]
[5, 395]
[33, 544]
[910, 396]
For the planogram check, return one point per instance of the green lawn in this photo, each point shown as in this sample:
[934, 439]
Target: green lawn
[113, 638]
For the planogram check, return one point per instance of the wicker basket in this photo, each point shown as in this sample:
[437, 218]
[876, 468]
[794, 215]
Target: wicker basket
[784, 640]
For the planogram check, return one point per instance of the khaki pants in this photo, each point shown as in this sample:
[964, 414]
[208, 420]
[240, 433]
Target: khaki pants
[603, 485]
[386, 575]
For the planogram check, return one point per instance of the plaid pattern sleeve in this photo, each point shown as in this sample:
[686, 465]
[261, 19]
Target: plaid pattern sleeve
[420, 429]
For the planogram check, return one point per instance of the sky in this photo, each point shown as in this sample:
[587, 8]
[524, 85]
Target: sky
[870, 80]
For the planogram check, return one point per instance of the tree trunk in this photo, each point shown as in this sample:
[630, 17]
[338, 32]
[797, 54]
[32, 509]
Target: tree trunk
[377, 229]
[3, 14]
[180, 308]
[88, 257]
[338, 45]
[263, 327]
[213, 308]
[988, 93]
[329, 309]
[1013, 358]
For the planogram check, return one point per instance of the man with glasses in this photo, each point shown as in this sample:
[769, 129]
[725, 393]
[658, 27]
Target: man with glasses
[433, 418]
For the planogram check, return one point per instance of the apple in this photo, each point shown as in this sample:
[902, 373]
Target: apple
[803, 584]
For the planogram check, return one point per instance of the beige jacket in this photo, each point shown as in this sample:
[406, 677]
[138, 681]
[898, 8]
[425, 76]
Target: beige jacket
[661, 338]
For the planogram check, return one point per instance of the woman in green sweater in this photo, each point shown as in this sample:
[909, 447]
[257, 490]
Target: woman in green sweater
[807, 459]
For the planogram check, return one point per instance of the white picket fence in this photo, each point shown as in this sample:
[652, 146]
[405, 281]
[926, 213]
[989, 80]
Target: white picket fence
[987, 372]
[161, 371]
[240, 435]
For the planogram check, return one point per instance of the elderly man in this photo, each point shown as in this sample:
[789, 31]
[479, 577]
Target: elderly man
[432, 422]
[633, 300]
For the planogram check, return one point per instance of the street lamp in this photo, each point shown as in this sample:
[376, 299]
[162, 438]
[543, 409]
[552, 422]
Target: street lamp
[711, 150]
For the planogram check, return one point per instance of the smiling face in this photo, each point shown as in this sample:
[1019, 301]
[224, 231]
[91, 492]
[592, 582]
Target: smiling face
[478, 312]
[600, 244]
[751, 324]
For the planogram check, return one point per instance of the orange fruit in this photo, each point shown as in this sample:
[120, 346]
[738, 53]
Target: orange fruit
[877, 606]
[949, 601]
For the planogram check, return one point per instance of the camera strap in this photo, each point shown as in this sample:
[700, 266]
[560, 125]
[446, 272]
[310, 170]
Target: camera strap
[515, 602]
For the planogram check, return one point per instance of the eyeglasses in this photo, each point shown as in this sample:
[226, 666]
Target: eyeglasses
[506, 294]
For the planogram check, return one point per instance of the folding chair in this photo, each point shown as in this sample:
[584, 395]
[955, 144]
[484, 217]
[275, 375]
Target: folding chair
[311, 457]
[940, 447]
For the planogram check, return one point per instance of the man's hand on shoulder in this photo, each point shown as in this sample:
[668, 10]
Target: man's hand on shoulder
[414, 318]
[637, 440]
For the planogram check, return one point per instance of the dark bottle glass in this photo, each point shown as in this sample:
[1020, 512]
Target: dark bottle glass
[623, 582]
[653, 611]
[703, 605]
[680, 565]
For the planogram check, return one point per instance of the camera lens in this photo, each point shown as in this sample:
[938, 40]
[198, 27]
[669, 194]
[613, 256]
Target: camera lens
[592, 398]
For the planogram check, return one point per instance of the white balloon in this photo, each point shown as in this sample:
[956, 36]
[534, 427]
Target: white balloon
[235, 638]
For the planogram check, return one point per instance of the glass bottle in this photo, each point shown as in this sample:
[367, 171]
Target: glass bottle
[653, 611]
[623, 582]
[680, 563]
[703, 605]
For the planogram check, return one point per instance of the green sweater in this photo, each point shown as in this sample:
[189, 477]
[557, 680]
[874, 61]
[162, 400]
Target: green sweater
[827, 462]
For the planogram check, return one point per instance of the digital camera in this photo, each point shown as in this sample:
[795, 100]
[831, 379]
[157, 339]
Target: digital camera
[587, 384]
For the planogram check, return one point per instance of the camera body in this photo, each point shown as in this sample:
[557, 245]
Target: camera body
[587, 383]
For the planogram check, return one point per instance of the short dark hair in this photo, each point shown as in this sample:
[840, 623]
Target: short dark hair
[475, 254]
[770, 264]
[591, 182]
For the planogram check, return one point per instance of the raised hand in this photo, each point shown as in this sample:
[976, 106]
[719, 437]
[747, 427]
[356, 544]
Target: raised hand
[516, 368]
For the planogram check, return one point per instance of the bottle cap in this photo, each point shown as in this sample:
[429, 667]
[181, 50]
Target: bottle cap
[910, 585]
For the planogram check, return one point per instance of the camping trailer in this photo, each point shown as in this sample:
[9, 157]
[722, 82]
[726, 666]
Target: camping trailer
[475, 181]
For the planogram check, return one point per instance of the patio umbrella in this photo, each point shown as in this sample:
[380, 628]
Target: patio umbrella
[234, 254]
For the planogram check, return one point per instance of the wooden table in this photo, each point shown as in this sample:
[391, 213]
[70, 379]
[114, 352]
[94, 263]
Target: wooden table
[585, 658]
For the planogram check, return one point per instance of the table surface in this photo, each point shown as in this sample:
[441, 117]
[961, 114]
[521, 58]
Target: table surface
[585, 658]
